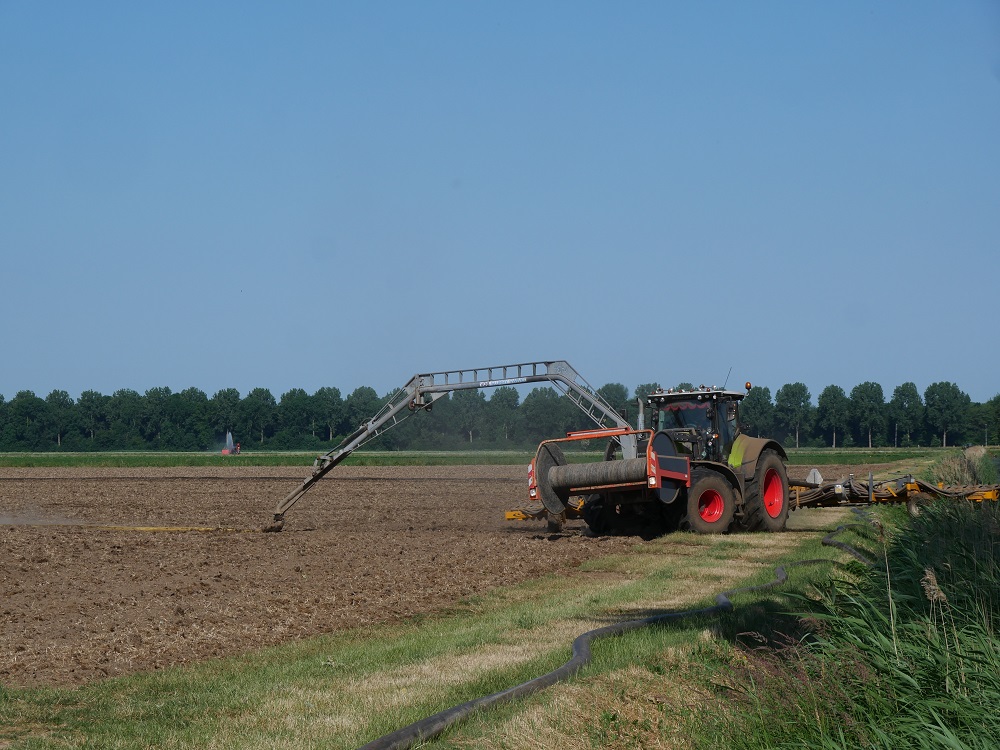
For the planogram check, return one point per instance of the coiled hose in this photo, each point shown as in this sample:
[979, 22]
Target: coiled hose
[432, 726]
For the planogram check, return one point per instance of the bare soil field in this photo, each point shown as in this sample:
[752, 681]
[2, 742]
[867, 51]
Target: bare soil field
[89, 590]
[365, 545]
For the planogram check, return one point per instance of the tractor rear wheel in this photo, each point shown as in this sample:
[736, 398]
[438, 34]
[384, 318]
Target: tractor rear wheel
[599, 520]
[711, 503]
[767, 502]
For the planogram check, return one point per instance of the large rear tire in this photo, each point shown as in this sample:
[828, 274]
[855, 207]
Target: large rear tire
[599, 520]
[711, 503]
[767, 502]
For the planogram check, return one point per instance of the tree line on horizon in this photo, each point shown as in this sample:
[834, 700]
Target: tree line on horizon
[190, 420]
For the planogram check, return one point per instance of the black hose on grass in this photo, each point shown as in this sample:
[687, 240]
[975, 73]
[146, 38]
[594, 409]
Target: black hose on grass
[432, 726]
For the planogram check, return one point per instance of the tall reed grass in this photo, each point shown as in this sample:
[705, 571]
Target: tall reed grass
[904, 654]
[973, 466]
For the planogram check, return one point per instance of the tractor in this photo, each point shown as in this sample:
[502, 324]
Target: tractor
[692, 469]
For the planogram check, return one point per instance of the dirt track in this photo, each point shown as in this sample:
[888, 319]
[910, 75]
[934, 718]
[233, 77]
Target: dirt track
[369, 545]
[365, 545]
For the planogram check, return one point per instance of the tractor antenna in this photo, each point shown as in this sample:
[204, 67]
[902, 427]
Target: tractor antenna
[727, 377]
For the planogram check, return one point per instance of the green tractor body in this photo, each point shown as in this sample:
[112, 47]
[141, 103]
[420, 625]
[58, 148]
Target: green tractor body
[694, 469]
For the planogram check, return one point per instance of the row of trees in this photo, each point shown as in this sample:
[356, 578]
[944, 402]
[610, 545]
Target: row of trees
[944, 415]
[190, 420]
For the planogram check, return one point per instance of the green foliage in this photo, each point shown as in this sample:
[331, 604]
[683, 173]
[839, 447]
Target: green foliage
[258, 413]
[904, 654]
[757, 411]
[547, 415]
[792, 408]
[947, 408]
[190, 420]
[26, 420]
[616, 395]
[504, 418]
[905, 412]
[469, 413]
[328, 410]
[296, 415]
[991, 420]
[644, 389]
[224, 410]
[61, 415]
[868, 410]
[833, 412]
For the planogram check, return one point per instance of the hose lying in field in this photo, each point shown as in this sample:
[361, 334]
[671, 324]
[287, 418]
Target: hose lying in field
[432, 726]
[108, 527]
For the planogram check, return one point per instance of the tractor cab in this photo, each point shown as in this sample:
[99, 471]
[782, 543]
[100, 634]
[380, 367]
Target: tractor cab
[703, 423]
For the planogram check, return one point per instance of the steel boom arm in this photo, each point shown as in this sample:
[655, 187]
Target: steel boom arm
[423, 390]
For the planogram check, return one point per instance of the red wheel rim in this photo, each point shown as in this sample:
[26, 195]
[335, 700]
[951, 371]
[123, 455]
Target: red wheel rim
[710, 506]
[774, 495]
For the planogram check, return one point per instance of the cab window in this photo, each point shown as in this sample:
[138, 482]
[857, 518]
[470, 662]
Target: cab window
[685, 414]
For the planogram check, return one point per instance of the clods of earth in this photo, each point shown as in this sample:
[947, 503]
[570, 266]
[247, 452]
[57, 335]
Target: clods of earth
[106, 572]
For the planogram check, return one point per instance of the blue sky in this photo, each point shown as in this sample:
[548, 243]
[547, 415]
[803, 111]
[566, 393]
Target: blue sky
[306, 194]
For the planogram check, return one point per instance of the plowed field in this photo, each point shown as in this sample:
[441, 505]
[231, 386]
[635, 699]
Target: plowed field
[85, 593]
[79, 603]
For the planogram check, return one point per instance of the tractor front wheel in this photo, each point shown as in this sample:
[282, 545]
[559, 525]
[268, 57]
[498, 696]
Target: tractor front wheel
[711, 503]
[767, 502]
